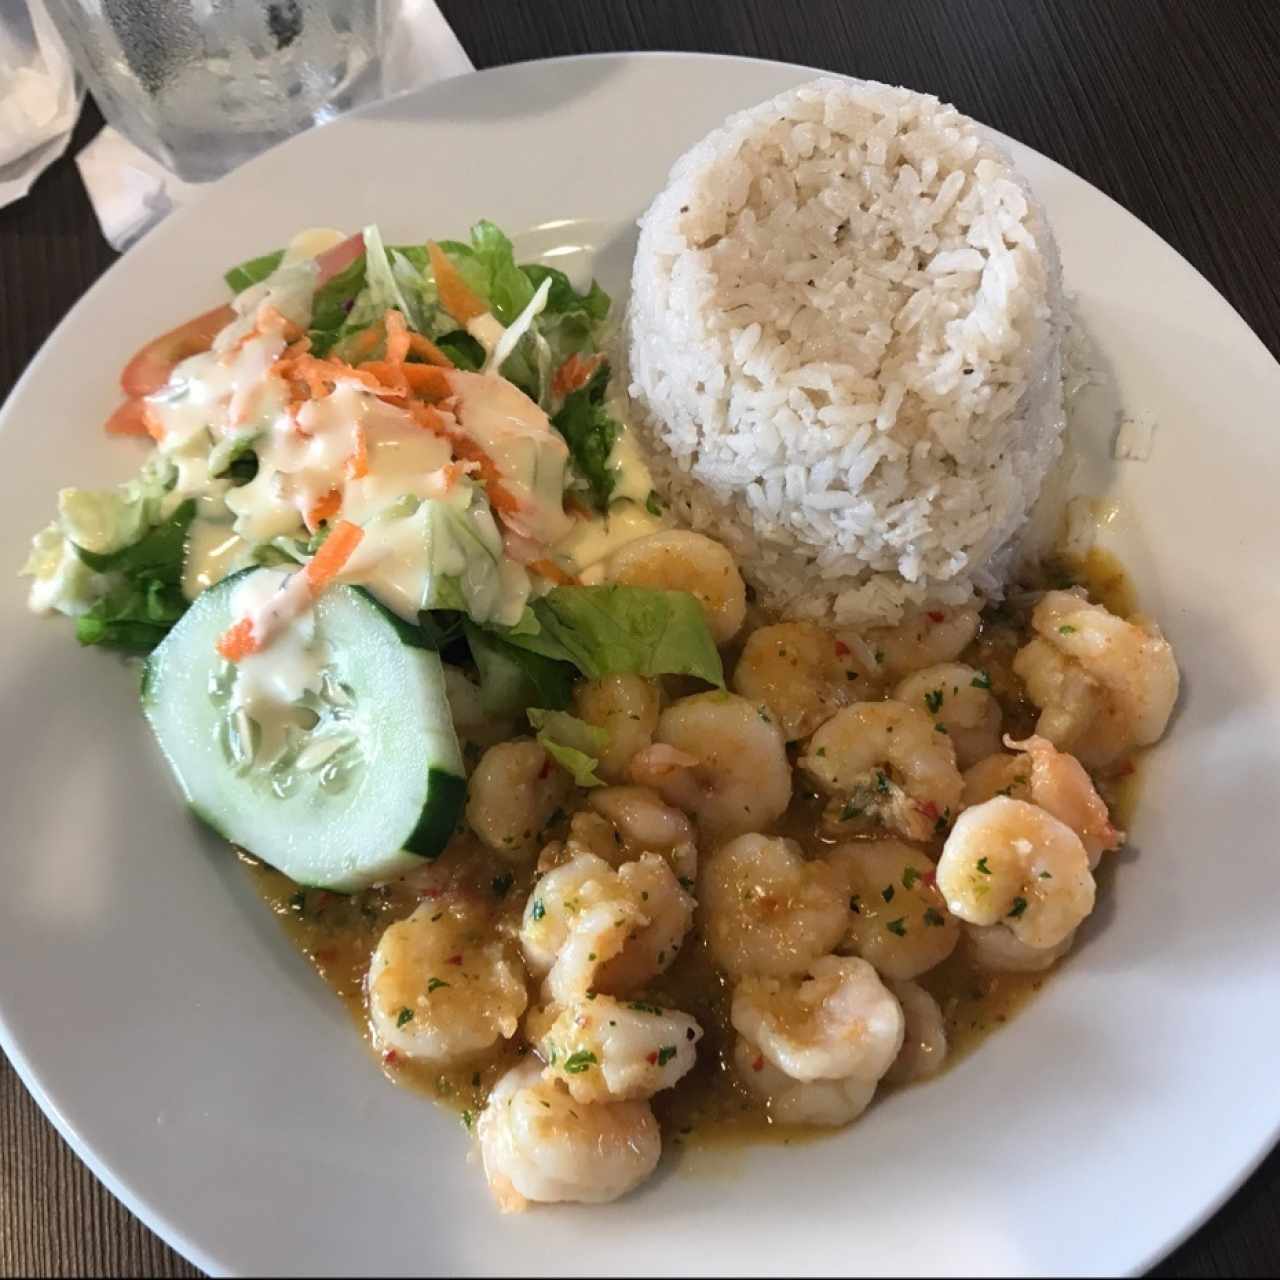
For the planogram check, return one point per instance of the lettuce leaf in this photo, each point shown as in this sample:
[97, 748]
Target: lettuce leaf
[145, 597]
[615, 630]
[104, 520]
[254, 271]
[564, 298]
[513, 678]
[333, 303]
[590, 434]
[488, 265]
[462, 349]
[573, 744]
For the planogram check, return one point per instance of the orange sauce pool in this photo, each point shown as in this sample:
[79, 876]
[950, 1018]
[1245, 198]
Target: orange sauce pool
[338, 933]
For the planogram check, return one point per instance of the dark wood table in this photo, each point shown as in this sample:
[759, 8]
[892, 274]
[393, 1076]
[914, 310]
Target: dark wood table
[1171, 108]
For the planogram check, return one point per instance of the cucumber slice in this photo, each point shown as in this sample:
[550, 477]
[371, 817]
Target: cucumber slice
[371, 779]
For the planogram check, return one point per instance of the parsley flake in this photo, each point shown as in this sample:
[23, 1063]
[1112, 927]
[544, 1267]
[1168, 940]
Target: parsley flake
[981, 681]
[933, 700]
[665, 1054]
[1066, 630]
[982, 866]
[576, 1063]
[1019, 906]
[653, 504]
[887, 893]
[538, 910]
[435, 984]
[641, 1007]
[1045, 875]
[855, 904]
[934, 918]
[909, 877]
[405, 1015]
[898, 926]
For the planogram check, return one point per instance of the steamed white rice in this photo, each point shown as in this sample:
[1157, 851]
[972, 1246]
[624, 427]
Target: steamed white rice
[844, 339]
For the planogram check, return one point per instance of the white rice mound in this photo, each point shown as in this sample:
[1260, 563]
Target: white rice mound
[844, 341]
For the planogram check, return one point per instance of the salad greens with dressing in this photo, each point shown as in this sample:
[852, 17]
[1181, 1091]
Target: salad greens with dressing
[375, 458]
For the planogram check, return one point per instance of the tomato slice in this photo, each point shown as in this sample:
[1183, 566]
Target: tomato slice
[129, 419]
[334, 261]
[150, 368]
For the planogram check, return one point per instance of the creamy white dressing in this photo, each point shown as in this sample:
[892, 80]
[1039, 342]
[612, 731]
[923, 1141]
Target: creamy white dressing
[311, 243]
[430, 538]
[632, 479]
[271, 682]
[592, 540]
[519, 439]
[487, 330]
[214, 550]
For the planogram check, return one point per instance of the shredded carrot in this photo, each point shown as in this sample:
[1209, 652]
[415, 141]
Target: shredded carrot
[270, 317]
[501, 499]
[552, 572]
[324, 509]
[428, 381]
[320, 375]
[129, 419]
[363, 343]
[238, 641]
[336, 550]
[358, 463]
[456, 295]
[573, 374]
[388, 375]
[397, 337]
[427, 350]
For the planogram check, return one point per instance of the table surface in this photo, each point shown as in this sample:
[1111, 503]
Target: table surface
[1170, 107]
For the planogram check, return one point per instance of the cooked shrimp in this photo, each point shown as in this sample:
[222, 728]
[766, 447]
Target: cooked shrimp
[605, 1050]
[647, 824]
[442, 985]
[885, 761]
[934, 636]
[650, 948]
[588, 927]
[958, 699]
[626, 708]
[720, 758]
[1007, 861]
[898, 919]
[994, 948]
[924, 1042]
[836, 1020]
[1000, 774]
[680, 560]
[512, 795]
[539, 1144]
[1060, 785]
[1116, 688]
[768, 910]
[826, 1103]
[802, 673]
[557, 902]
[590, 833]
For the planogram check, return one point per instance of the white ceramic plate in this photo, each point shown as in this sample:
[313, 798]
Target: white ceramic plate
[189, 1055]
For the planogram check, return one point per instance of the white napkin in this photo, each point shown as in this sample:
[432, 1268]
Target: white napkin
[131, 192]
[40, 96]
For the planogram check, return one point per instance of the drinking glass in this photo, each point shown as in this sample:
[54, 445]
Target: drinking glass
[202, 85]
